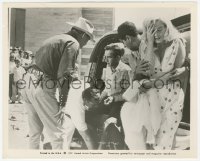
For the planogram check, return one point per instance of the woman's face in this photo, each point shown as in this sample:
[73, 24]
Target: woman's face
[160, 33]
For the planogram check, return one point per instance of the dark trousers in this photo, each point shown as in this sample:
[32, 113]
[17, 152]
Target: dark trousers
[111, 137]
[104, 111]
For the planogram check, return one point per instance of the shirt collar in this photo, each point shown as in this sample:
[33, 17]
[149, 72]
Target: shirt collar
[118, 68]
[135, 54]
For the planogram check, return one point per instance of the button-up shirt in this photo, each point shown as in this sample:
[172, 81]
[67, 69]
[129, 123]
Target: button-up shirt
[117, 80]
[131, 58]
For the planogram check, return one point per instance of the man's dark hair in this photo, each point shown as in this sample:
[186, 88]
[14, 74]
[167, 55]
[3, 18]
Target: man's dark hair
[118, 51]
[87, 94]
[127, 28]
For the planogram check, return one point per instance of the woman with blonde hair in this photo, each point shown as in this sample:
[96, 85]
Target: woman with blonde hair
[168, 50]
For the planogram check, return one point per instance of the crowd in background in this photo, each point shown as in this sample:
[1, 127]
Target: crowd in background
[20, 60]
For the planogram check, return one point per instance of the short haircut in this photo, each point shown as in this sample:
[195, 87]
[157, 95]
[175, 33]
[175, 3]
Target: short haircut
[117, 50]
[127, 28]
[87, 94]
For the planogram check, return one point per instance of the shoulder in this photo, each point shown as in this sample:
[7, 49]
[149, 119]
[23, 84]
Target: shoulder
[61, 39]
[179, 41]
[72, 42]
[124, 67]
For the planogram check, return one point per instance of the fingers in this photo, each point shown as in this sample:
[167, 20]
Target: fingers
[142, 72]
[143, 69]
[175, 75]
[173, 71]
[144, 66]
[106, 101]
[154, 32]
[144, 62]
[150, 28]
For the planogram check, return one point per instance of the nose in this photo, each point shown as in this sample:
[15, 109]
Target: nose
[107, 60]
[156, 35]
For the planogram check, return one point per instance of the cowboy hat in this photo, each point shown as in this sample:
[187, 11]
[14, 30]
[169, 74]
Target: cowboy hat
[85, 26]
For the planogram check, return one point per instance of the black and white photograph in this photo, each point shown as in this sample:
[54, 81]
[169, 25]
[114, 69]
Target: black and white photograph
[100, 78]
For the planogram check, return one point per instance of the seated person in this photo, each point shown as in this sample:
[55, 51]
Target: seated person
[102, 126]
[117, 79]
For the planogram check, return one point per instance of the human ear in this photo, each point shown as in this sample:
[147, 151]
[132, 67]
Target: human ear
[128, 37]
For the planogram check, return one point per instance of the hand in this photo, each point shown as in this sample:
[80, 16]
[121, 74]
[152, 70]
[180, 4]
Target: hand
[103, 96]
[176, 73]
[165, 77]
[60, 115]
[142, 67]
[109, 100]
[150, 33]
[147, 85]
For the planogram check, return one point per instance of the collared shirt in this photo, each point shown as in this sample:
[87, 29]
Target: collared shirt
[116, 81]
[131, 58]
[57, 56]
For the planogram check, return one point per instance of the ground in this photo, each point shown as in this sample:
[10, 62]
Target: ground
[18, 130]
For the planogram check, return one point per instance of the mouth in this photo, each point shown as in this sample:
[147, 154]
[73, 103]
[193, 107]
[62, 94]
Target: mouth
[157, 39]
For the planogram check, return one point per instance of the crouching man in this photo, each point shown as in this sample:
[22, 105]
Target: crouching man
[75, 116]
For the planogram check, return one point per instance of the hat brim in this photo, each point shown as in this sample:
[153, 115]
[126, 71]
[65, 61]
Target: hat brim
[89, 34]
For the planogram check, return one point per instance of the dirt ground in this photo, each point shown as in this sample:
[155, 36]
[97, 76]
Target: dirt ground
[18, 127]
[18, 130]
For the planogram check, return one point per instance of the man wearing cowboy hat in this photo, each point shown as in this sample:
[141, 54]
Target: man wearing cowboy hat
[56, 60]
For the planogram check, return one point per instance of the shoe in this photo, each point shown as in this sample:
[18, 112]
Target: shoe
[12, 102]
